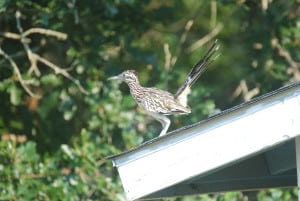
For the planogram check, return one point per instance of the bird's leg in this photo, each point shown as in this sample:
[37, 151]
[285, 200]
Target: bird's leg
[165, 122]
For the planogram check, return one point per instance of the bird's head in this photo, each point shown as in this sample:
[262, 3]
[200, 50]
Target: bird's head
[127, 76]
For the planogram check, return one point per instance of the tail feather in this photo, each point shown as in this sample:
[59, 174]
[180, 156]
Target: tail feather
[195, 73]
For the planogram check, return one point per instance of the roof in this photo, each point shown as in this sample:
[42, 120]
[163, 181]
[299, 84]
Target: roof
[248, 146]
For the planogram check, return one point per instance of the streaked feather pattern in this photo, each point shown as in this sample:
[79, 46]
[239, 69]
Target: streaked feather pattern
[159, 103]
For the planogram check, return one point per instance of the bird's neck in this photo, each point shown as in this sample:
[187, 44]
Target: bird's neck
[134, 86]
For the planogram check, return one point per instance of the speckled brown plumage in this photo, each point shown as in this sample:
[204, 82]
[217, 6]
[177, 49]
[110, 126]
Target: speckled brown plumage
[159, 103]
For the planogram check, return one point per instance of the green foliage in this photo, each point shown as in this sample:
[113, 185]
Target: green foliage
[278, 195]
[70, 174]
[54, 147]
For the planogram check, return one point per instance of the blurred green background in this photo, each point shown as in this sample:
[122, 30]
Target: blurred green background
[59, 115]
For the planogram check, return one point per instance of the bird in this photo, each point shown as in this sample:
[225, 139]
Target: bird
[159, 103]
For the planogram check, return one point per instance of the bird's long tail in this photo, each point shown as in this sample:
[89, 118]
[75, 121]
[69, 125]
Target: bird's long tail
[196, 71]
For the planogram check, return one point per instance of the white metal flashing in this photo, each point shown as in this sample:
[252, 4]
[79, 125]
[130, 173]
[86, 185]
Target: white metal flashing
[297, 142]
[223, 139]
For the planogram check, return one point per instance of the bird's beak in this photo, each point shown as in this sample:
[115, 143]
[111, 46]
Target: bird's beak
[117, 77]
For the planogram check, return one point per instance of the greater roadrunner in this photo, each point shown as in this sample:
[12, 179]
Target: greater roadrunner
[159, 103]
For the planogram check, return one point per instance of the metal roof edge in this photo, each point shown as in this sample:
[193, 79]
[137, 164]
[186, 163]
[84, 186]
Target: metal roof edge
[169, 135]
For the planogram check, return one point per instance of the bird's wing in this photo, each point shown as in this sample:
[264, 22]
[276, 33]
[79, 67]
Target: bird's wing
[162, 102]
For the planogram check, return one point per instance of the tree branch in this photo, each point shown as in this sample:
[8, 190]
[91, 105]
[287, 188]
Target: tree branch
[18, 73]
[61, 71]
[205, 38]
[47, 32]
[34, 58]
[294, 68]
